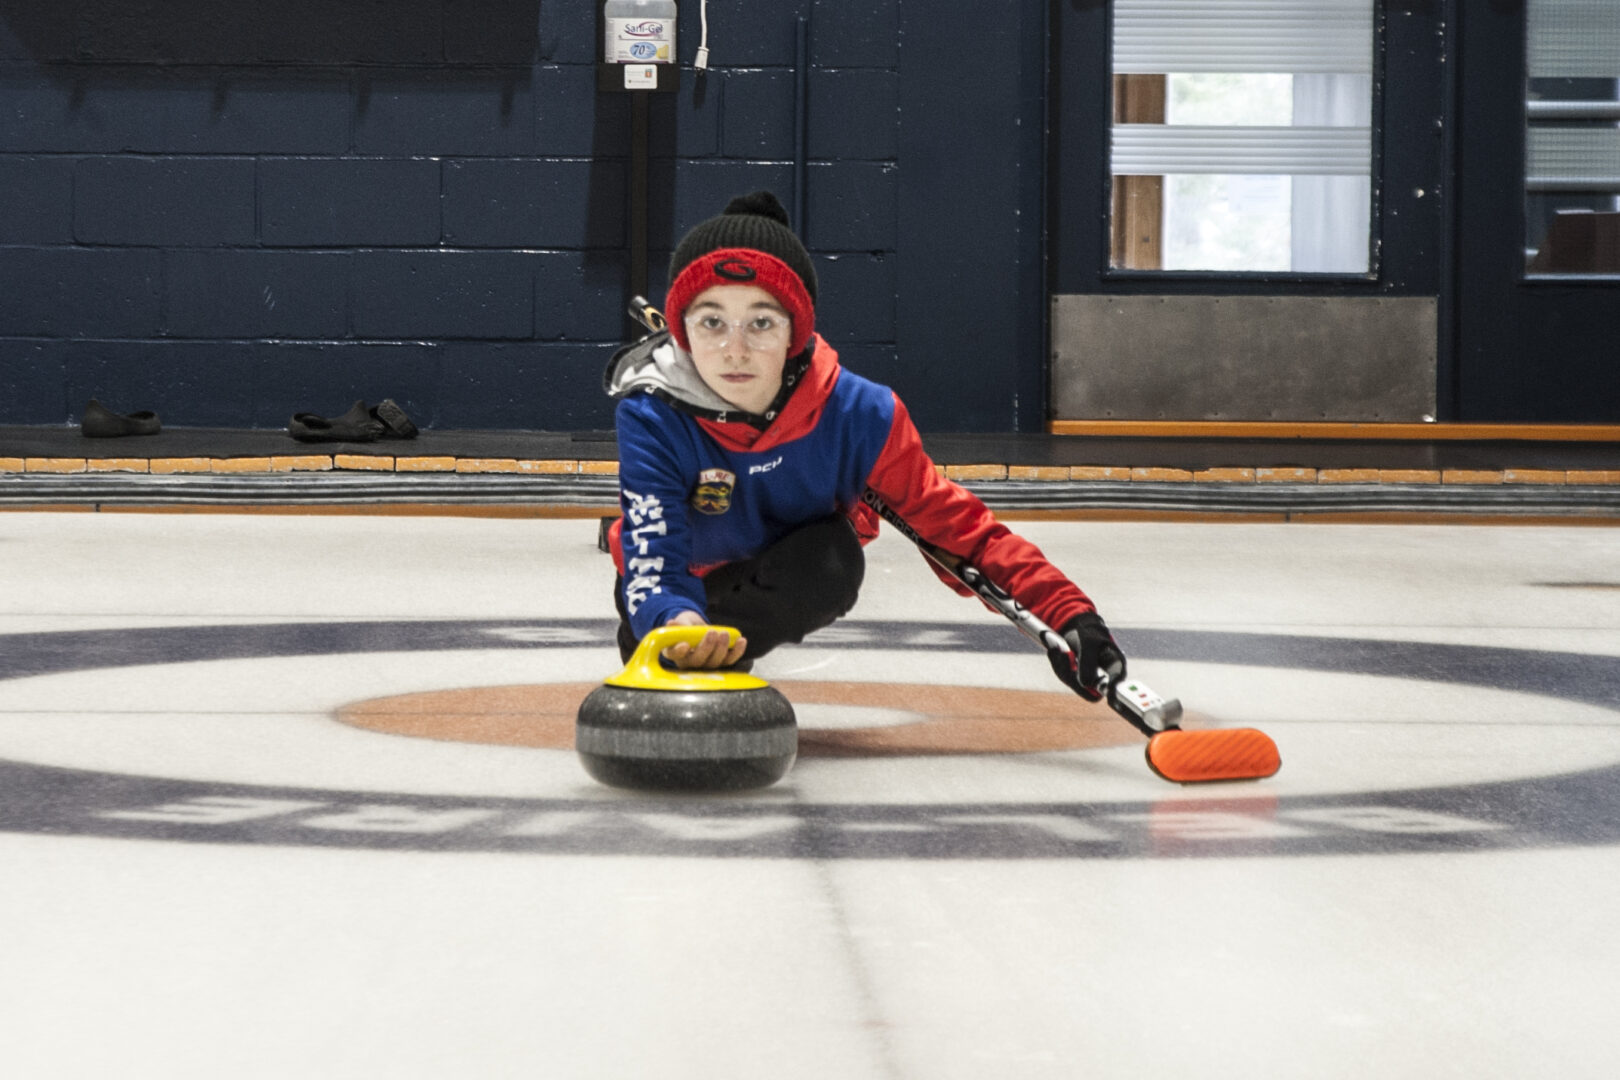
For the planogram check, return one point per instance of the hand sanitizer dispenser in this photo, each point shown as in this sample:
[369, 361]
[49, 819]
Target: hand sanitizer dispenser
[638, 45]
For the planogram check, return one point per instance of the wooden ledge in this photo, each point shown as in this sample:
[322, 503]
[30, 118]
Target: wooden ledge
[1245, 429]
[309, 463]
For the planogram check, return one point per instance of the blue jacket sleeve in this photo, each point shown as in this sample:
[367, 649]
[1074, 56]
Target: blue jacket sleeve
[655, 538]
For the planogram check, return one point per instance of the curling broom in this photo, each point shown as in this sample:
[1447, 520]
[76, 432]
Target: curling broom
[1182, 757]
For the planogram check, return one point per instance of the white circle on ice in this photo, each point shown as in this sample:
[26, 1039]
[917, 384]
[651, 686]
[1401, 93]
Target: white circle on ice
[852, 717]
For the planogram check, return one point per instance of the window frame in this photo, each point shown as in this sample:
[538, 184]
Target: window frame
[1375, 247]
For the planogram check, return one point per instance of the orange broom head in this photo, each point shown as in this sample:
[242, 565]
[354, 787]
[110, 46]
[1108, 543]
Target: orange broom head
[1201, 757]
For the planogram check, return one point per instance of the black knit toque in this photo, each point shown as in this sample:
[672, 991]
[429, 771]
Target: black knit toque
[755, 221]
[749, 243]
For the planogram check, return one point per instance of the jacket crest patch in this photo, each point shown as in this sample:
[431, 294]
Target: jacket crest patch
[713, 492]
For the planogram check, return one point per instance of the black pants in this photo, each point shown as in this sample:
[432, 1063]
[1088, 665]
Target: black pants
[799, 584]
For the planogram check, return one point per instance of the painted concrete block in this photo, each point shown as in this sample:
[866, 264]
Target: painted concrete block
[854, 114]
[852, 206]
[443, 294]
[38, 203]
[168, 202]
[534, 204]
[447, 111]
[325, 202]
[250, 293]
[63, 292]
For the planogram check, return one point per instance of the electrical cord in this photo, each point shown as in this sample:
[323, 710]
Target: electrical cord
[703, 43]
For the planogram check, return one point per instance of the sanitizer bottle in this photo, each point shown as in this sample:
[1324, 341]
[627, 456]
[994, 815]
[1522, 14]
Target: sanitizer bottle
[639, 31]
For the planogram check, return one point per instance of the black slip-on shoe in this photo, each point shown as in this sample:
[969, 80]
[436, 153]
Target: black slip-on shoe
[101, 422]
[356, 425]
[396, 424]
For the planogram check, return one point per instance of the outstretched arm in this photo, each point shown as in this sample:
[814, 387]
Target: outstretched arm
[956, 521]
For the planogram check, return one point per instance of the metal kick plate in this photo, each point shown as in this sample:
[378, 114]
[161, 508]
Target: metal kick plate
[1282, 358]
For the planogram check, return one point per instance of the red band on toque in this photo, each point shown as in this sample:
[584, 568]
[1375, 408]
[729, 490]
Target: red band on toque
[741, 266]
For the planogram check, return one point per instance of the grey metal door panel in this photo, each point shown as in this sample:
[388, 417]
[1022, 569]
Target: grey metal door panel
[1281, 358]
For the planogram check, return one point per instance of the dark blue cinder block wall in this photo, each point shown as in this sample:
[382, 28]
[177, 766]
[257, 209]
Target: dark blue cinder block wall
[232, 213]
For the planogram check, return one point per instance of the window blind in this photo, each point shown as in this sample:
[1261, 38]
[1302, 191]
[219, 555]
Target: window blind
[1163, 149]
[1573, 39]
[1572, 159]
[1256, 36]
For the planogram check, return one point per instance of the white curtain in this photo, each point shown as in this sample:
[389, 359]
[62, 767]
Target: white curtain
[1332, 215]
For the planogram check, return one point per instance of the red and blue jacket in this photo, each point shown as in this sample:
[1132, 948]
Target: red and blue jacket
[700, 486]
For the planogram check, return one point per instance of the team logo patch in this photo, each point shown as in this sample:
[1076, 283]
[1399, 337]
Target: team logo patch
[735, 269]
[713, 493]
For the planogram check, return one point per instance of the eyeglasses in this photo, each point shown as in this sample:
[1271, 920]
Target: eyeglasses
[762, 331]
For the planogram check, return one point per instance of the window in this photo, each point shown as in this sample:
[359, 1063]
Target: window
[1572, 138]
[1242, 135]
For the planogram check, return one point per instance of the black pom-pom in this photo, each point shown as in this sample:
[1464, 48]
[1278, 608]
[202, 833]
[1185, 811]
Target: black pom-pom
[763, 203]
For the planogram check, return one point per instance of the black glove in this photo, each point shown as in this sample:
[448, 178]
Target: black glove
[1091, 647]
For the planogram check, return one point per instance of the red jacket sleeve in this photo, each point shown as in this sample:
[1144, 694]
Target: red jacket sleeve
[952, 518]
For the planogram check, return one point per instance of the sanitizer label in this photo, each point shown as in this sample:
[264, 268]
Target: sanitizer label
[640, 41]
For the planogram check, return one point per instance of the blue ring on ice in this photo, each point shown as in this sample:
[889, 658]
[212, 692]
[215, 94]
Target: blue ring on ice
[1241, 820]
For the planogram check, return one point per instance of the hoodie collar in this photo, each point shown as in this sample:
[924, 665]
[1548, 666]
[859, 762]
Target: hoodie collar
[656, 365]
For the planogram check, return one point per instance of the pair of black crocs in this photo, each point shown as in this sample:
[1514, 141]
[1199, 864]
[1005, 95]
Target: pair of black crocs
[100, 422]
[362, 423]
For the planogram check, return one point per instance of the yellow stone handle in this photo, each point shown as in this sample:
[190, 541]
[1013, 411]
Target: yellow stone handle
[660, 638]
[645, 672]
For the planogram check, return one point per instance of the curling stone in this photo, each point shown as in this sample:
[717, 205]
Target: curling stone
[652, 728]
